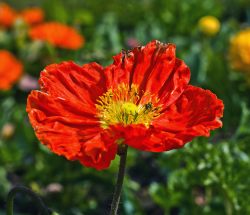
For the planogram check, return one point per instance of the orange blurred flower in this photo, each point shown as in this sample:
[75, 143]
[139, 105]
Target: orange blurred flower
[10, 70]
[239, 52]
[57, 34]
[7, 15]
[32, 15]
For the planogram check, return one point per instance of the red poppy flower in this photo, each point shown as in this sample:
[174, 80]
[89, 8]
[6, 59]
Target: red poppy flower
[143, 100]
[58, 35]
[32, 15]
[7, 15]
[10, 70]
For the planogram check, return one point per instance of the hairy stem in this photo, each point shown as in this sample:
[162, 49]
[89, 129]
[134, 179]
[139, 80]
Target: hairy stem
[119, 182]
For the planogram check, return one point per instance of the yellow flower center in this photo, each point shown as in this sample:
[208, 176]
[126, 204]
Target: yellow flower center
[124, 105]
[129, 108]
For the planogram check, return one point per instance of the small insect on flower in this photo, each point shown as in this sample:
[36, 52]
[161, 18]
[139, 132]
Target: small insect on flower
[142, 100]
[148, 106]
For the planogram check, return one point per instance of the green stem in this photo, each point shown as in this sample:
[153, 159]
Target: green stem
[19, 189]
[119, 182]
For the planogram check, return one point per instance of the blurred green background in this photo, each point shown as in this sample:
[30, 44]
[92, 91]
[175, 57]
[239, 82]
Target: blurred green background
[207, 176]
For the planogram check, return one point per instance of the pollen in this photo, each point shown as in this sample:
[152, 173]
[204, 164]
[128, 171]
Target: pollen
[130, 108]
[127, 105]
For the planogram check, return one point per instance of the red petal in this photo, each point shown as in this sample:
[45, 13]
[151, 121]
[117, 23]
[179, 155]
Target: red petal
[60, 125]
[175, 84]
[98, 152]
[195, 113]
[72, 82]
[63, 114]
[119, 71]
[146, 139]
[154, 68]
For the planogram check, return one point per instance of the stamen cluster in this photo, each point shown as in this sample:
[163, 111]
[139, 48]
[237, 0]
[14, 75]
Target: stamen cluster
[126, 105]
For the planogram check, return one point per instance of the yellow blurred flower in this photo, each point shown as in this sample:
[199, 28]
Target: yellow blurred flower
[209, 25]
[239, 52]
